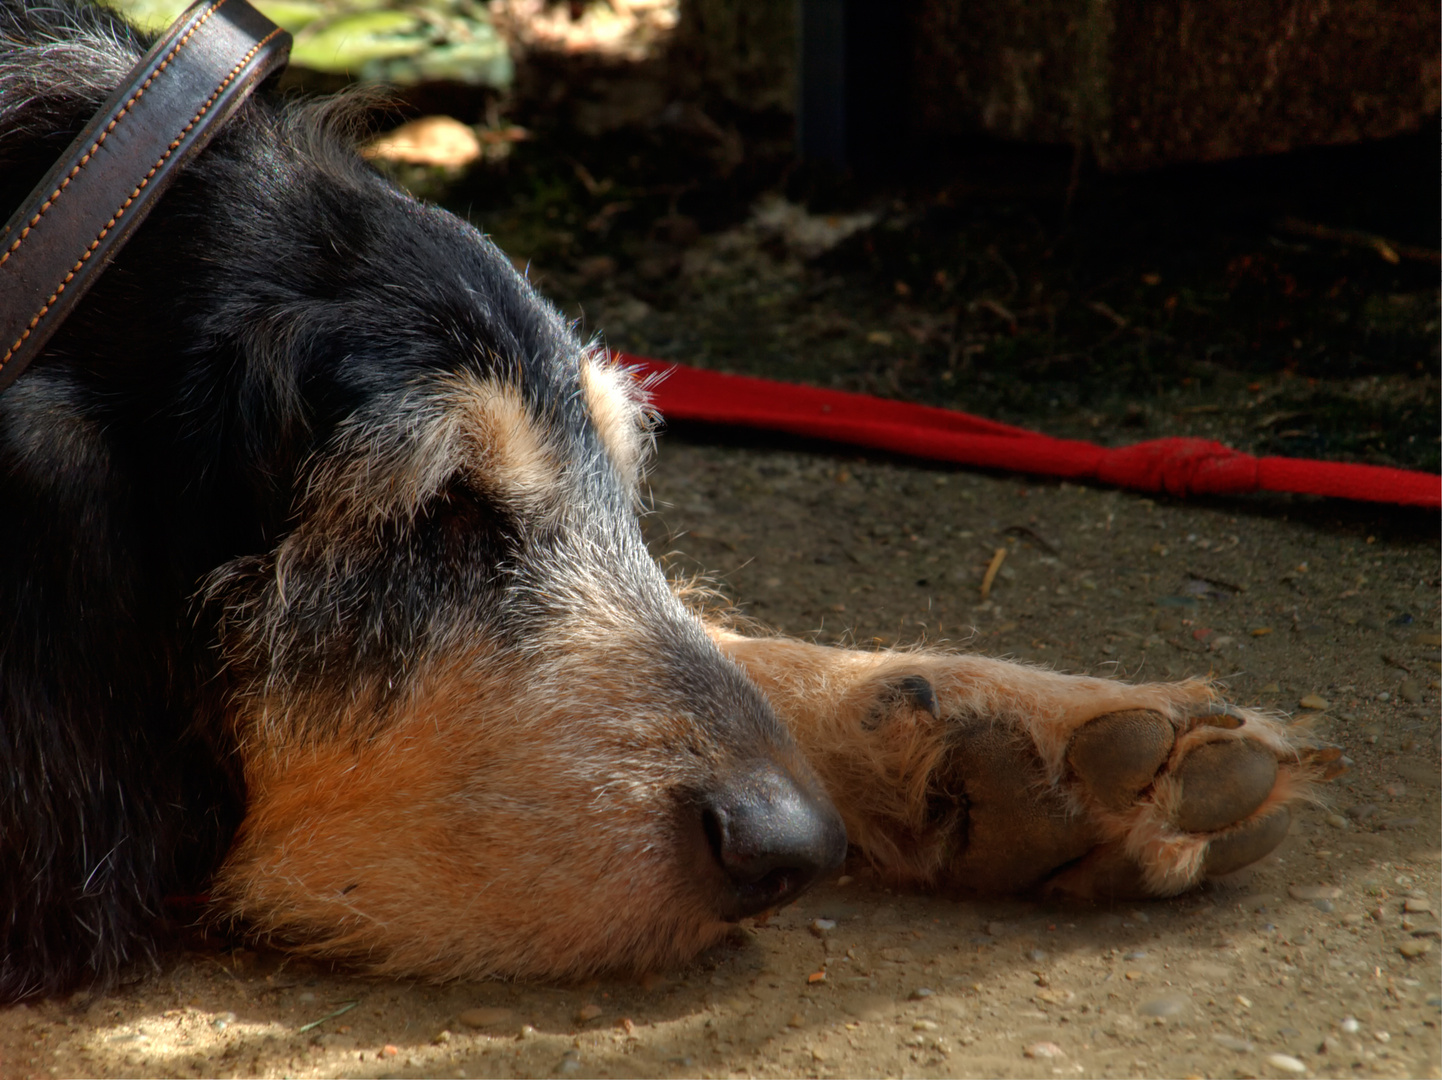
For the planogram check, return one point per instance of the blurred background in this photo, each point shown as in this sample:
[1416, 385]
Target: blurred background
[1103, 219]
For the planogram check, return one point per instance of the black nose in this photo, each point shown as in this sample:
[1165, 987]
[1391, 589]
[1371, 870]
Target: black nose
[772, 838]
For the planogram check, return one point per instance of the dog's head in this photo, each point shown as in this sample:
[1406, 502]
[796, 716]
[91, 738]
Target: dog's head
[478, 732]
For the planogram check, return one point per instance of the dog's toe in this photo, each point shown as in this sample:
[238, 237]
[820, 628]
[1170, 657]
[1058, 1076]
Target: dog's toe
[1117, 756]
[1200, 793]
[1248, 842]
[1222, 783]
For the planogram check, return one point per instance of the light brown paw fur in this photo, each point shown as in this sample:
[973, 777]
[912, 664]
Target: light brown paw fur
[976, 774]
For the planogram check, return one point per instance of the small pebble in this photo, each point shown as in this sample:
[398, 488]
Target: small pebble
[925, 1025]
[1415, 906]
[796, 1020]
[570, 1062]
[1350, 1025]
[1135, 954]
[820, 927]
[1044, 1050]
[1382, 1036]
[1410, 691]
[1167, 1005]
[921, 993]
[1323, 905]
[1231, 1042]
[1351, 919]
[1414, 948]
[485, 1016]
[1337, 821]
[1036, 956]
[995, 928]
[1286, 1062]
[587, 1013]
[1362, 811]
[1313, 892]
[1314, 701]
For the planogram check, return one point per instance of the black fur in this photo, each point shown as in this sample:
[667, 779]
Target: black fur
[155, 455]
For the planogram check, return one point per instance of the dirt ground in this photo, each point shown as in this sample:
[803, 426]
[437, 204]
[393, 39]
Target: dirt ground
[1322, 961]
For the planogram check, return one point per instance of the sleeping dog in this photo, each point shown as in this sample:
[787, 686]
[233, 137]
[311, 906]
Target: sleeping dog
[325, 597]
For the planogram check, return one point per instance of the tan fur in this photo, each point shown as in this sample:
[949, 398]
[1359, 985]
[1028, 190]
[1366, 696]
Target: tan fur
[507, 449]
[381, 469]
[618, 409]
[467, 839]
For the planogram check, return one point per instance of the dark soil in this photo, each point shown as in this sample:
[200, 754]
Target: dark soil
[1013, 282]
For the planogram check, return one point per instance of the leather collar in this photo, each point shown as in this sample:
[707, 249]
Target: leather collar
[81, 213]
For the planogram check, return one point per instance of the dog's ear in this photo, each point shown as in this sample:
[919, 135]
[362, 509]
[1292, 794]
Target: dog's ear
[58, 63]
[620, 410]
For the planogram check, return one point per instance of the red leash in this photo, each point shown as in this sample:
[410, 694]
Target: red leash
[1176, 466]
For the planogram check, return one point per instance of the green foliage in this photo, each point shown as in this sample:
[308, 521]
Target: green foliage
[376, 40]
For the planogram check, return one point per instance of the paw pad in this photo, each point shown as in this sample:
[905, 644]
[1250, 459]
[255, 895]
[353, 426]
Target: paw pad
[1223, 782]
[1183, 799]
[1244, 846]
[1117, 756]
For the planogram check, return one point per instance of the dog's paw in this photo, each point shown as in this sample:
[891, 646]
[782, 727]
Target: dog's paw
[969, 773]
[1090, 789]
